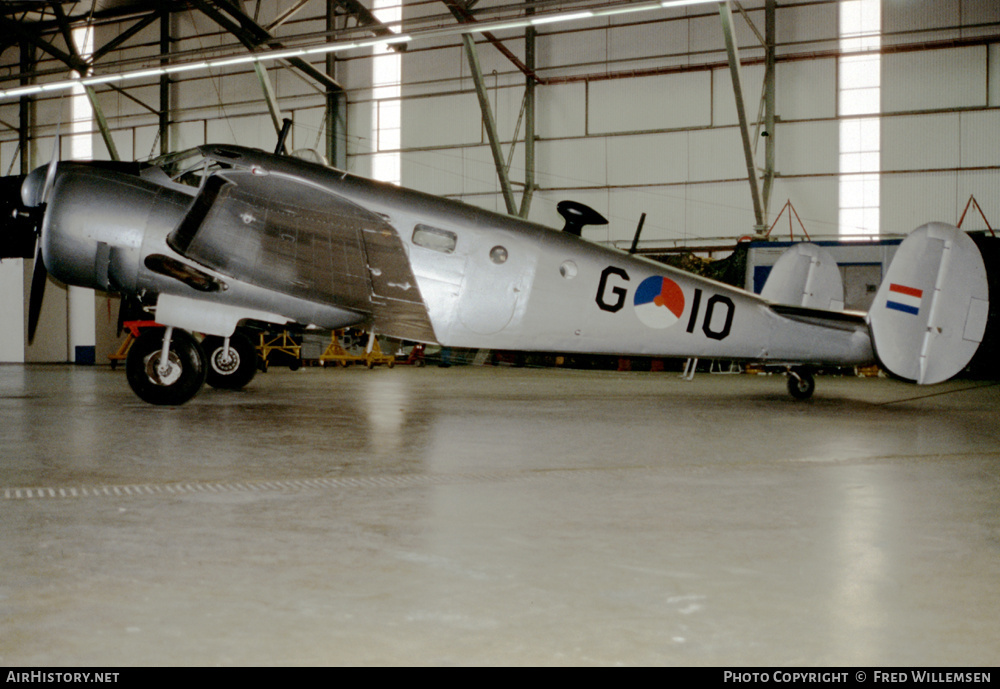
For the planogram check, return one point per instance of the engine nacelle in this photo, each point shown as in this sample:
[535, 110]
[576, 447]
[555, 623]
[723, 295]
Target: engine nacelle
[95, 222]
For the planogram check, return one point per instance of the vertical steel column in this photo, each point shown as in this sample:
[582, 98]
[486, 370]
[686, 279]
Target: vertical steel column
[726, 15]
[491, 125]
[769, 99]
[102, 123]
[336, 103]
[272, 100]
[529, 122]
[164, 114]
[24, 106]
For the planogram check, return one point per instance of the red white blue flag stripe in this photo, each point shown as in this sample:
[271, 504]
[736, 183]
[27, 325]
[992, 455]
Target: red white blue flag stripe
[905, 299]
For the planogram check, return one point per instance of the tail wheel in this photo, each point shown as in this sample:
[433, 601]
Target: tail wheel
[232, 368]
[801, 383]
[171, 384]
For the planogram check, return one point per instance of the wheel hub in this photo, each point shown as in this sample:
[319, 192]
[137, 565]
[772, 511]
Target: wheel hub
[167, 375]
[225, 361]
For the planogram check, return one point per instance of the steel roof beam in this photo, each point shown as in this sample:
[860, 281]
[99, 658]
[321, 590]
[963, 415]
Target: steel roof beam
[252, 35]
[462, 14]
[368, 20]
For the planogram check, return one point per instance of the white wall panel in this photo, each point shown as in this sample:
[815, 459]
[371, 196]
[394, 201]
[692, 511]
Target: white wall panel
[644, 40]
[706, 32]
[917, 142]
[49, 114]
[356, 73]
[428, 65]
[441, 121]
[716, 154]
[719, 210]
[571, 48]
[12, 310]
[815, 200]
[187, 134]
[805, 148]
[980, 11]
[993, 73]
[287, 83]
[982, 184]
[439, 172]
[309, 130]
[147, 142]
[648, 159]
[671, 101]
[915, 15]
[805, 89]
[910, 200]
[665, 209]
[123, 142]
[480, 174]
[450, 171]
[561, 110]
[980, 139]
[934, 80]
[571, 163]
[359, 126]
[810, 22]
[10, 158]
[116, 105]
[506, 106]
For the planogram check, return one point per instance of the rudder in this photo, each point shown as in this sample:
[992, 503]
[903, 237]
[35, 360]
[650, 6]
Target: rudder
[930, 312]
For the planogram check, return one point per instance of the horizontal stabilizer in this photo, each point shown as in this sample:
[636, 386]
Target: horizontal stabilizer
[806, 275]
[930, 312]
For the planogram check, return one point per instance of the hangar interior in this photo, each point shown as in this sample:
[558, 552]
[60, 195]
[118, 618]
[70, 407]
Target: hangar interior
[486, 516]
[867, 117]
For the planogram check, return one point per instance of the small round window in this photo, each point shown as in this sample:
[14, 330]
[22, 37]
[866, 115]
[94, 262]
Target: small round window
[568, 270]
[498, 255]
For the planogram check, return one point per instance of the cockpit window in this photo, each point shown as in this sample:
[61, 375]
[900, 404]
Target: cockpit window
[435, 239]
[189, 167]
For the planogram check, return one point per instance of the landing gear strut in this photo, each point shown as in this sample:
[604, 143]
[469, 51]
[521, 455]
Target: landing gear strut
[165, 366]
[800, 382]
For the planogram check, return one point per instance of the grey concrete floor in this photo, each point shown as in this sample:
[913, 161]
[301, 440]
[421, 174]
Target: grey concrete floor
[498, 516]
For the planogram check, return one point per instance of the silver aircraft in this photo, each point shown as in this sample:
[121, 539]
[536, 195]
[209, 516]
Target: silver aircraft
[222, 236]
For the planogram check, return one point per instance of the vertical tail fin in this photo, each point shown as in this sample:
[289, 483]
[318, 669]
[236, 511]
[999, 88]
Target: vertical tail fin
[930, 312]
[806, 275]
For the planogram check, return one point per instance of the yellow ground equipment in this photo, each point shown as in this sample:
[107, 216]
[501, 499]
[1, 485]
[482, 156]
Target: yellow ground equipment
[336, 353]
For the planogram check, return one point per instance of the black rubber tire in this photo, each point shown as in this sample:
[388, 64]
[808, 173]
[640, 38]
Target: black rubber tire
[187, 362]
[235, 373]
[801, 383]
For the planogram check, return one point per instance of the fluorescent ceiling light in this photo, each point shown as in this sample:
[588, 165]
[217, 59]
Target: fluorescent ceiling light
[682, 3]
[267, 56]
[549, 19]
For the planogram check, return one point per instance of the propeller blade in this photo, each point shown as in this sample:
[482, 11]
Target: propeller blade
[39, 277]
[50, 174]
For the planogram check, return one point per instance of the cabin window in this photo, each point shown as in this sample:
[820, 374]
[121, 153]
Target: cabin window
[435, 239]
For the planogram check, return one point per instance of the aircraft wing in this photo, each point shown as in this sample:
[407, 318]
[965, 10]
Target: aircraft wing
[284, 234]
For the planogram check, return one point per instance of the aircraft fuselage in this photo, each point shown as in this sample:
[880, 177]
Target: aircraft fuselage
[421, 267]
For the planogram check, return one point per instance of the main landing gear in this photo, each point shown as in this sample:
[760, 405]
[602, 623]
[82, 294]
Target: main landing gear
[168, 366]
[165, 366]
[231, 365]
[801, 383]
